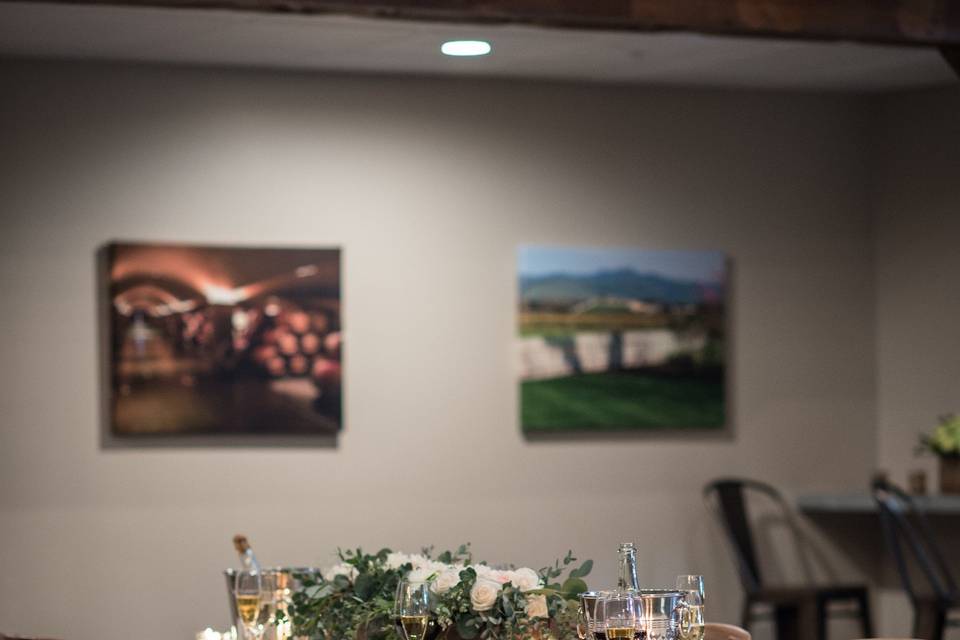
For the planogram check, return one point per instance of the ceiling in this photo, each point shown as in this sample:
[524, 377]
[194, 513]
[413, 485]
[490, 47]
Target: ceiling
[367, 45]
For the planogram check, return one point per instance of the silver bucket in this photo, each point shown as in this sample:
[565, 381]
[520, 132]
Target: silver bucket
[661, 608]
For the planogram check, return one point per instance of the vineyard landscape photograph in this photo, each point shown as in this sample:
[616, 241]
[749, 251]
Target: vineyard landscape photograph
[621, 339]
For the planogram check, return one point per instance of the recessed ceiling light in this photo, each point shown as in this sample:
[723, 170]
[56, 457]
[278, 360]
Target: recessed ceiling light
[465, 48]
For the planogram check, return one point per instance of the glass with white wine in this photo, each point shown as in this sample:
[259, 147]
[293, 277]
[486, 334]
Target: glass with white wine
[691, 616]
[618, 616]
[247, 592]
[413, 609]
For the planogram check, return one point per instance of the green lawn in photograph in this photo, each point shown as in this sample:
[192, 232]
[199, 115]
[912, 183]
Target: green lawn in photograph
[621, 401]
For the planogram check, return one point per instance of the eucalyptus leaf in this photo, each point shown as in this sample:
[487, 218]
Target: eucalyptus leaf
[573, 587]
[583, 570]
[466, 628]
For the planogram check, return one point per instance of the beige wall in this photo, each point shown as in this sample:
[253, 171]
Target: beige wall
[916, 197]
[429, 185]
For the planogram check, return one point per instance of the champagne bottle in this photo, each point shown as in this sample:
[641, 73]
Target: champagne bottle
[628, 567]
[242, 545]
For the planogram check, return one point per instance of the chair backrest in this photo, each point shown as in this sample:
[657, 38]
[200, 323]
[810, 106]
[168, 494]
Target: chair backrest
[727, 496]
[910, 540]
[717, 631]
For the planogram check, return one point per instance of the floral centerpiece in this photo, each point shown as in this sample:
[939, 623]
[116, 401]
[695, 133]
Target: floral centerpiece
[944, 442]
[355, 598]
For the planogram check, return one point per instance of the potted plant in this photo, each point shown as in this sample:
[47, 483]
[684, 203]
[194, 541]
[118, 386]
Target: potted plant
[944, 442]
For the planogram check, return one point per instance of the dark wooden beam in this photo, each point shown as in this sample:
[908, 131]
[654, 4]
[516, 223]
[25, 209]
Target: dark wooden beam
[915, 22]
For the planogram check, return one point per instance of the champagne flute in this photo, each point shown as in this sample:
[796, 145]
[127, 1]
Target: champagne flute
[691, 618]
[413, 609]
[617, 617]
[247, 590]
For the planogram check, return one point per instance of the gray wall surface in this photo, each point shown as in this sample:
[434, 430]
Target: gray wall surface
[916, 200]
[429, 186]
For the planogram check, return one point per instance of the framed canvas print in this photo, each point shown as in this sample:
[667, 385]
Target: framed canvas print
[223, 340]
[621, 339]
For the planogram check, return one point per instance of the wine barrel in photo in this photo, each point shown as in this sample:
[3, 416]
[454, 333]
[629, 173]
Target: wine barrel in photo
[298, 321]
[332, 343]
[288, 343]
[298, 365]
[310, 343]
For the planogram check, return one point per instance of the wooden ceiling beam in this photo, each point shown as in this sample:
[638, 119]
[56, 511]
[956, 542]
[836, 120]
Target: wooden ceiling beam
[912, 22]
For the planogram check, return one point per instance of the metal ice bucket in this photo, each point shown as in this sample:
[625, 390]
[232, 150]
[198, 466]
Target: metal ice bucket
[660, 608]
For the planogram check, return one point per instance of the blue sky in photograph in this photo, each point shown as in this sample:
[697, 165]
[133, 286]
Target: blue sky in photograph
[701, 266]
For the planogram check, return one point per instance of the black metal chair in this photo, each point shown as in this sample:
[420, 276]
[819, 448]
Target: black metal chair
[799, 612]
[923, 572]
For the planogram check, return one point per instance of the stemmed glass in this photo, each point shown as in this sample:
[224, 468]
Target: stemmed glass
[413, 609]
[271, 597]
[618, 616]
[691, 620]
[587, 615]
[690, 583]
[248, 593]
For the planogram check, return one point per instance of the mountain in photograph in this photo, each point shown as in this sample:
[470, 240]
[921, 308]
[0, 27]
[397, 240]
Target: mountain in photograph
[621, 283]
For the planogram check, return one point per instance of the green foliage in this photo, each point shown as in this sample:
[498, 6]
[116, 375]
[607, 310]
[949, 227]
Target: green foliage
[945, 438]
[582, 570]
[343, 608]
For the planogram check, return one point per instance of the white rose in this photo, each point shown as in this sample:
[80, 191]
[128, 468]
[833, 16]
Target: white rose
[418, 561]
[438, 567]
[419, 575]
[482, 570]
[525, 579]
[341, 569]
[396, 559]
[484, 594]
[503, 577]
[446, 580]
[536, 606]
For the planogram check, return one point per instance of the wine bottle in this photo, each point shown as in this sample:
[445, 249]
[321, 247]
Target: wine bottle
[242, 545]
[628, 567]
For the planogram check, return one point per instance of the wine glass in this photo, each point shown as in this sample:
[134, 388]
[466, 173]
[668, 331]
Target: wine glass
[247, 592]
[413, 609]
[691, 616]
[691, 583]
[617, 616]
[270, 600]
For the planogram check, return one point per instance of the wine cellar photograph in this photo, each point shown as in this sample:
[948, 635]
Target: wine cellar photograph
[208, 340]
